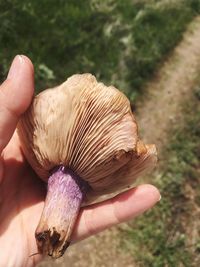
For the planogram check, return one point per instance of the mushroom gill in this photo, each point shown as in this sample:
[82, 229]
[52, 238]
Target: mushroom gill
[82, 139]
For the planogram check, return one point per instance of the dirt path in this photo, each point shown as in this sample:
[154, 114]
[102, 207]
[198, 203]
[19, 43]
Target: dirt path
[171, 86]
[159, 110]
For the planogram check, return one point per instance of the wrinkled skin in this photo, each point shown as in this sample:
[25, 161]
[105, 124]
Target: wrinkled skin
[22, 193]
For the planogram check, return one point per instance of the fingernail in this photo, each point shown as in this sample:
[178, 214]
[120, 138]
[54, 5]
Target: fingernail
[15, 67]
[159, 198]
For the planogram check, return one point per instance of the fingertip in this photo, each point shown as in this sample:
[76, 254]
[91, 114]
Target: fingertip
[152, 191]
[28, 88]
[29, 63]
[145, 191]
[135, 201]
[17, 90]
[27, 82]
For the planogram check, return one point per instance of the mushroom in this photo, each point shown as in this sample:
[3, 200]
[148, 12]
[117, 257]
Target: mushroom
[82, 139]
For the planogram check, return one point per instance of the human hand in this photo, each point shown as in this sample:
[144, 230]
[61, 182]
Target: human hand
[22, 193]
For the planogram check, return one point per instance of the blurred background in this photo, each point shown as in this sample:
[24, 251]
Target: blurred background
[151, 51]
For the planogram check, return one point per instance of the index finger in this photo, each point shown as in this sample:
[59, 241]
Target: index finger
[123, 207]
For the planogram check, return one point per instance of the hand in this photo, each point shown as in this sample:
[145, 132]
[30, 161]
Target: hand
[22, 193]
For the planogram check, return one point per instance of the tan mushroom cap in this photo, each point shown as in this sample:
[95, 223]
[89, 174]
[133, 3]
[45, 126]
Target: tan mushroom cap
[90, 128]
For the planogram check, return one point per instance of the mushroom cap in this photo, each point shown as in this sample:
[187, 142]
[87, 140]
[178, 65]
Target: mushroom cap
[90, 128]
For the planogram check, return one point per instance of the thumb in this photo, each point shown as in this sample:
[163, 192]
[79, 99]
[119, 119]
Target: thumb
[15, 96]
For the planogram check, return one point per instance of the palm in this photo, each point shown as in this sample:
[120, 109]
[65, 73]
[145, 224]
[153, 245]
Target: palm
[21, 205]
[22, 194]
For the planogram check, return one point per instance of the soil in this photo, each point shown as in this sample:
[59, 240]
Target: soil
[157, 112]
[161, 106]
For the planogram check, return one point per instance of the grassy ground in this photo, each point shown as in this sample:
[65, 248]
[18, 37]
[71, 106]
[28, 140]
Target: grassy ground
[169, 235]
[121, 42]
[156, 29]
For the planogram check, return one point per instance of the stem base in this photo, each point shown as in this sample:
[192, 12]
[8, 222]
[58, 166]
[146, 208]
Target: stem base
[65, 194]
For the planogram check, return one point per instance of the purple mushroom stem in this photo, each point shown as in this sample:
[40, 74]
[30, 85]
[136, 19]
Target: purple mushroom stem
[65, 193]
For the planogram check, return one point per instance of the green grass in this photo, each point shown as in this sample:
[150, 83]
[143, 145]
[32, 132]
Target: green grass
[121, 42]
[156, 30]
[159, 238]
